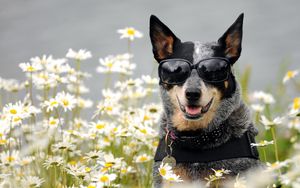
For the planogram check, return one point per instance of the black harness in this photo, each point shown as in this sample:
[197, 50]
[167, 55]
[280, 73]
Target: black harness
[189, 147]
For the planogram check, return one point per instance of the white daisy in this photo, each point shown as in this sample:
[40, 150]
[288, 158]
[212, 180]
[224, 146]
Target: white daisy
[142, 158]
[149, 80]
[265, 97]
[66, 100]
[50, 104]
[173, 178]
[30, 67]
[257, 107]
[53, 161]
[289, 75]
[44, 60]
[10, 158]
[104, 178]
[82, 54]
[130, 33]
[32, 181]
[164, 169]
[268, 123]
[262, 143]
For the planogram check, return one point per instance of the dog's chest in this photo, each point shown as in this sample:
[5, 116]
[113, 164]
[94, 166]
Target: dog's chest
[190, 172]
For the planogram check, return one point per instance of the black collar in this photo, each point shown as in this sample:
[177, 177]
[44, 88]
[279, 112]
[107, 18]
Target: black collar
[200, 139]
[187, 147]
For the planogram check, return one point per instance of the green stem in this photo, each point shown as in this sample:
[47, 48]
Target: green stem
[77, 92]
[9, 136]
[107, 80]
[217, 183]
[129, 46]
[54, 177]
[30, 89]
[268, 111]
[1, 98]
[275, 145]
[61, 128]
[275, 142]
[264, 154]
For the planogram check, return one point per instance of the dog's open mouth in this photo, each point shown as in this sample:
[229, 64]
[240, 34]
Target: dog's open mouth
[194, 112]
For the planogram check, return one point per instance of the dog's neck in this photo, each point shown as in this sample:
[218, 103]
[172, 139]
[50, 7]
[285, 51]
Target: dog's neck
[232, 110]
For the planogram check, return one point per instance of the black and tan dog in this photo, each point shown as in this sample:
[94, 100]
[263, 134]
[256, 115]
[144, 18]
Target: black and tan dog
[205, 124]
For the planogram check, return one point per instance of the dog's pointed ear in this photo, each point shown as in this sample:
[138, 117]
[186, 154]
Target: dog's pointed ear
[231, 41]
[162, 38]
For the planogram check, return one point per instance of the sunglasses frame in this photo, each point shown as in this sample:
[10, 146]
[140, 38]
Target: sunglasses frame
[194, 66]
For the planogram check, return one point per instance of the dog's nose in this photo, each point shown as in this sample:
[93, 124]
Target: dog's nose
[192, 94]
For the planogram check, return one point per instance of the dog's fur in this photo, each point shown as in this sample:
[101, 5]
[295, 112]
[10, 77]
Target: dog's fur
[227, 103]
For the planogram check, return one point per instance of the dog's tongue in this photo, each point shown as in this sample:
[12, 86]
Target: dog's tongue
[192, 110]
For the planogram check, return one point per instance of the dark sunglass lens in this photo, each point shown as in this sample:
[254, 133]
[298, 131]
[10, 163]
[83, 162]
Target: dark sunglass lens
[214, 70]
[174, 71]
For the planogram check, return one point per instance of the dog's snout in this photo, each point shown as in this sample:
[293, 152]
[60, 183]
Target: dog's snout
[193, 94]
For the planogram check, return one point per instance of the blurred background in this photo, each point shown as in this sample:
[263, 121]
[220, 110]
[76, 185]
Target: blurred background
[33, 28]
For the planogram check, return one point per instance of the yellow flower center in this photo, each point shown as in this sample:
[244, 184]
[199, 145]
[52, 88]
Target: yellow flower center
[146, 118]
[65, 102]
[16, 119]
[143, 158]
[262, 142]
[130, 31]
[91, 186]
[144, 131]
[109, 164]
[108, 108]
[171, 179]
[290, 74]
[155, 143]
[104, 179]
[123, 170]
[162, 172]
[109, 64]
[13, 111]
[100, 126]
[78, 125]
[53, 103]
[296, 104]
[131, 83]
[44, 76]
[72, 162]
[30, 69]
[2, 142]
[115, 129]
[53, 122]
[153, 110]
[87, 169]
[10, 158]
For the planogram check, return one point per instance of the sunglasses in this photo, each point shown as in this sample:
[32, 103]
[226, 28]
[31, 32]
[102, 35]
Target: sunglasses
[177, 71]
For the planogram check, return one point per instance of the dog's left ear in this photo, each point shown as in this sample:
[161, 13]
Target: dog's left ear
[231, 41]
[162, 38]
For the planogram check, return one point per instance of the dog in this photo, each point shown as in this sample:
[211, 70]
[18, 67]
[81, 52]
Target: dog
[205, 124]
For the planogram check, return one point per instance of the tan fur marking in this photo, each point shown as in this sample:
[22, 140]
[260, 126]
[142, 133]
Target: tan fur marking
[165, 46]
[178, 118]
[232, 42]
[226, 84]
[182, 172]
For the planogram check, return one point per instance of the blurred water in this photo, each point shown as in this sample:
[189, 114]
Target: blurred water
[34, 27]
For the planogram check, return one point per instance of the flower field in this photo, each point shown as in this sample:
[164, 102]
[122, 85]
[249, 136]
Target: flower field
[45, 141]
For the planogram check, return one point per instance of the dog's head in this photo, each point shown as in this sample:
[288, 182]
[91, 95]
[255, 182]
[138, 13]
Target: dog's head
[191, 103]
